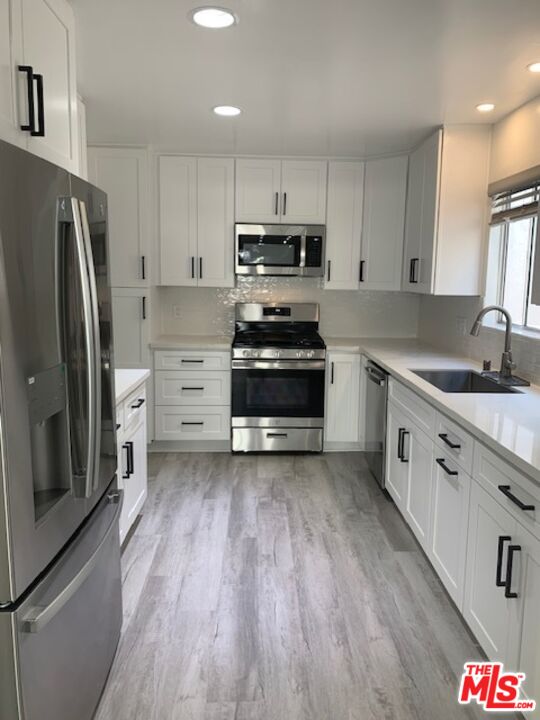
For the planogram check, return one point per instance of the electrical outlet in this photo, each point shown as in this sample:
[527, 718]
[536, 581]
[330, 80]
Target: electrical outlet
[176, 311]
[461, 326]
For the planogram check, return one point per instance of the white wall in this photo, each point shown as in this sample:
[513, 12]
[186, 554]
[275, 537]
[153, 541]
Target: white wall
[516, 142]
[439, 322]
[343, 313]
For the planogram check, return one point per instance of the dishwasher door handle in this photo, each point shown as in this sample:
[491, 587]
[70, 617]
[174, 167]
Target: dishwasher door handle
[375, 375]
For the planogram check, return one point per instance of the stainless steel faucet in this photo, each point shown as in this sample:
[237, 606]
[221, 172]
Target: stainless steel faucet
[507, 364]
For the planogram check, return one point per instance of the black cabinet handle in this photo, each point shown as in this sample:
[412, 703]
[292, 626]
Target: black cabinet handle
[361, 275]
[509, 567]
[276, 204]
[128, 447]
[192, 388]
[191, 361]
[401, 445]
[185, 422]
[143, 303]
[118, 426]
[331, 373]
[192, 267]
[328, 271]
[143, 267]
[40, 132]
[284, 203]
[200, 268]
[499, 582]
[138, 404]
[444, 438]
[505, 489]
[412, 271]
[442, 463]
[29, 72]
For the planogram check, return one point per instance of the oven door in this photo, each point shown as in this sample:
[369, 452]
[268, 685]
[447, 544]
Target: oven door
[269, 254]
[277, 393]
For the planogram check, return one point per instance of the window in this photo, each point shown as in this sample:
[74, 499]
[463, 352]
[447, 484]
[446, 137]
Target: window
[513, 269]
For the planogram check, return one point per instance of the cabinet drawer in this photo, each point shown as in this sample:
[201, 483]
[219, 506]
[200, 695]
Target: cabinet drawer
[192, 360]
[192, 388]
[498, 477]
[193, 423]
[419, 411]
[135, 408]
[454, 442]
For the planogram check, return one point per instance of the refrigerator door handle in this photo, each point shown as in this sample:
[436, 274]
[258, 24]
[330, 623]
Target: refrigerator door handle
[87, 469]
[96, 345]
[39, 616]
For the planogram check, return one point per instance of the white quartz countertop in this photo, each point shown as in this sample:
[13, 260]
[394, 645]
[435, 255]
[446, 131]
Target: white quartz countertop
[192, 342]
[126, 381]
[507, 423]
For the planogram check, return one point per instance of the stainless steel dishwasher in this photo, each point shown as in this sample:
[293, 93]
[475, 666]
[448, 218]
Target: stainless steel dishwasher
[375, 420]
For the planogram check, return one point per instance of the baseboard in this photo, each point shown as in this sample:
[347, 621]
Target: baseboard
[212, 446]
[343, 447]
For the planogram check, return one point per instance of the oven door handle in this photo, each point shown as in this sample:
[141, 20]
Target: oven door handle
[278, 365]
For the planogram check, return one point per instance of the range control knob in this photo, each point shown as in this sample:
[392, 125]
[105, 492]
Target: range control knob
[310, 354]
[276, 353]
[246, 353]
[301, 354]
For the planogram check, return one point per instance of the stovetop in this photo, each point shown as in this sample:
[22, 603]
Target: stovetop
[277, 339]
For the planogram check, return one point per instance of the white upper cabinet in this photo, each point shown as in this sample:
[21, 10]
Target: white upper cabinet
[258, 191]
[303, 189]
[83, 148]
[123, 174]
[49, 48]
[178, 220]
[10, 58]
[446, 212]
[281, 191]
[385, 189]
[344, 225]
[215, 221]
[38, 104]
[196, 221]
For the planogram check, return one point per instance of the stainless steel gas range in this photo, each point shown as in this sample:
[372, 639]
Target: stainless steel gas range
[278, 365]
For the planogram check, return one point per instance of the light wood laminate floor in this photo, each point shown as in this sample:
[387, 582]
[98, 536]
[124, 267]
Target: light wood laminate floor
[280, 588]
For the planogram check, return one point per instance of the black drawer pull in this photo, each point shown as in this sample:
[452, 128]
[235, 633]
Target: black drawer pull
[185, 422]
[509, 567]
[118, 426]
[499, 582]
[192, 361]
[505, 489]
[444, 438]
[138, 404]
[192, 388]
[442, 463]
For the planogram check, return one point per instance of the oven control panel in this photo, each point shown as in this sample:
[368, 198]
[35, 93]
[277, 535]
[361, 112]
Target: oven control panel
[278, 354]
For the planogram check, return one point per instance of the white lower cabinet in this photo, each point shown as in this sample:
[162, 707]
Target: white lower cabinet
[451, 488]
[417, 452]
[193, 402]
[409, 472]
[132, 459]
[130, 322]
[342, 397]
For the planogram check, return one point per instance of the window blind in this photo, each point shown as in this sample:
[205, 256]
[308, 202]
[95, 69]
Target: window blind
[514, 205]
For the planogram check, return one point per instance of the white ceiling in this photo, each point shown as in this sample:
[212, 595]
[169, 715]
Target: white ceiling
[313, 77]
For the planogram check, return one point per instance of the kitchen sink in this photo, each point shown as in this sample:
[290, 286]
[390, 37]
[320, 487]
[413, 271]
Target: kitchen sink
[462, 381]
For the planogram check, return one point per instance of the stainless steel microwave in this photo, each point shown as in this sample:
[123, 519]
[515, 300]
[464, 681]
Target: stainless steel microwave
[279, 250]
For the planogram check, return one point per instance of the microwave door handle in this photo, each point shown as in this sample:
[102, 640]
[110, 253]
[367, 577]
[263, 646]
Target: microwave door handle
[96, 347]
[303, 243]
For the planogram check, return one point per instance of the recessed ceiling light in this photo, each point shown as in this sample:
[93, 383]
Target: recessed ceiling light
[485, 107]
[227, 110]
[534, 67]
[213, 17]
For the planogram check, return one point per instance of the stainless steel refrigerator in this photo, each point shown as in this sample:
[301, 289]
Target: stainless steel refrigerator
[60, 584]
